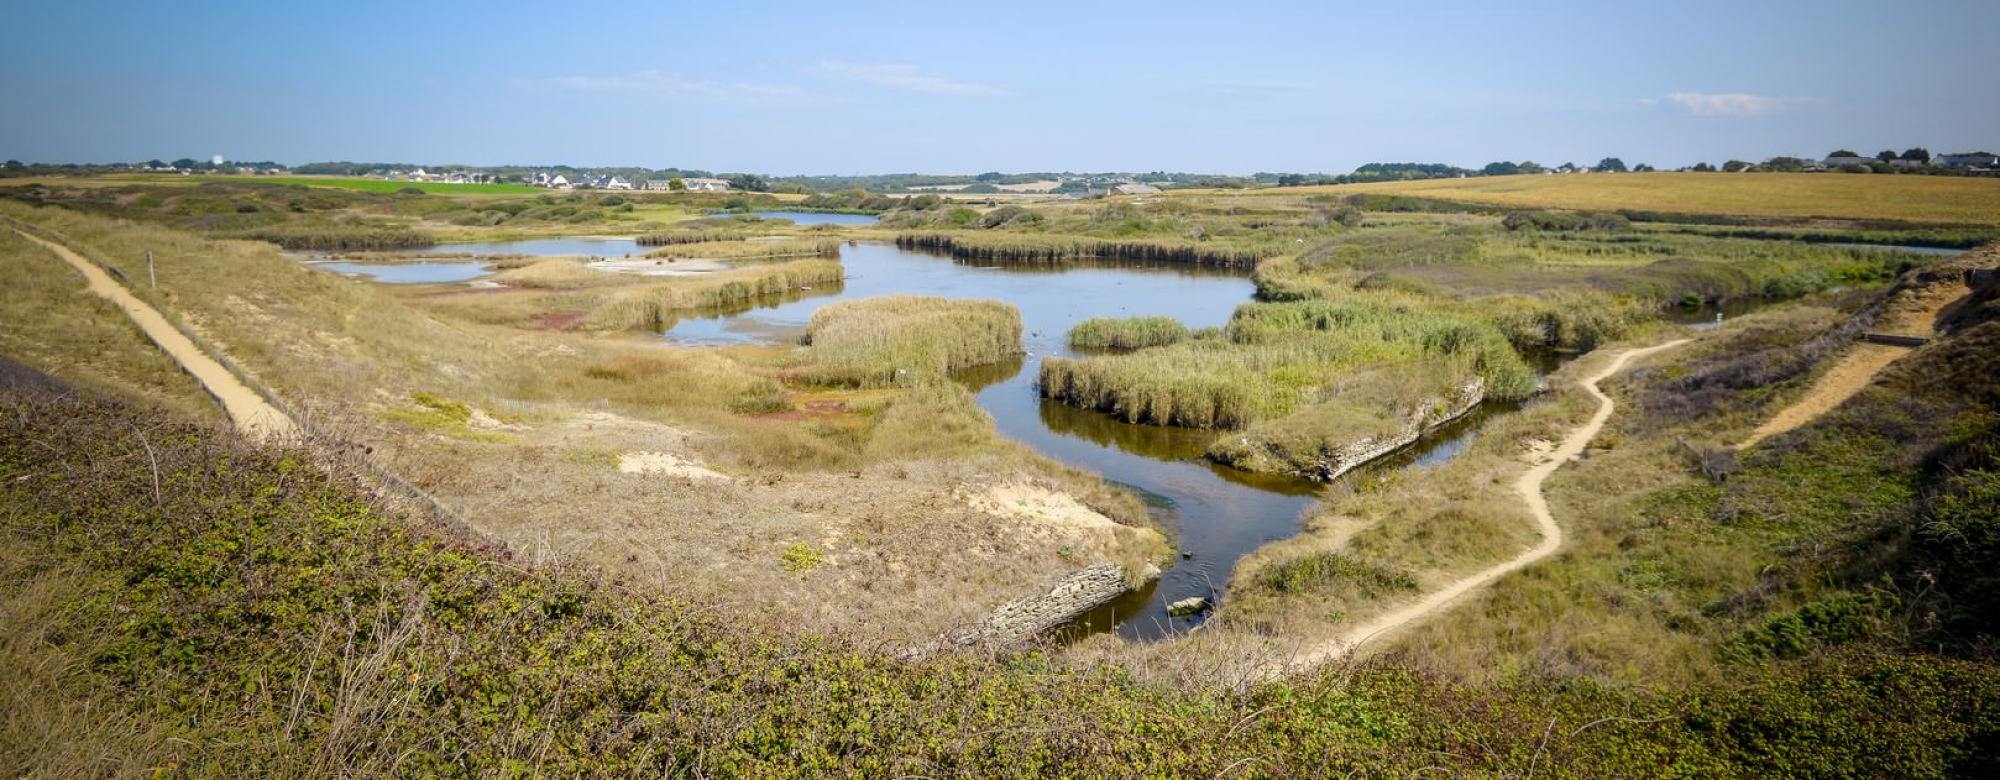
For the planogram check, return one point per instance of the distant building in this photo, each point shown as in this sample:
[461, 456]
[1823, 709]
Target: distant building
[658, 185]
[1972, 160]
[1135, 189]
[706, 185]
[1835, 162]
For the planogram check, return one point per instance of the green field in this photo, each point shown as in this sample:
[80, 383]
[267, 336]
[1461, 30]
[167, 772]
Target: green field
[1930, 200]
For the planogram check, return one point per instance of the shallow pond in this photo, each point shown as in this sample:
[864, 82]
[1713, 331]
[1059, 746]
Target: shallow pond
[807, 218]
[409, 273]
[547, 247]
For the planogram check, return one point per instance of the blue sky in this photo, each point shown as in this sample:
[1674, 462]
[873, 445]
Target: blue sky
[861, 87]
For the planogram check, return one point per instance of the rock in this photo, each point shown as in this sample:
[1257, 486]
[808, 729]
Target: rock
[1192, 605]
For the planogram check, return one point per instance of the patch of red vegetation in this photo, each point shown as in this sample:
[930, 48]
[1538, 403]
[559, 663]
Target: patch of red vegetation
[497, 288]
[556, 321]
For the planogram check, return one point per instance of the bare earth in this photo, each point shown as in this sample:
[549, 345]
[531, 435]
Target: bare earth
[1912, 316]
[248, 410]
[1530, 489]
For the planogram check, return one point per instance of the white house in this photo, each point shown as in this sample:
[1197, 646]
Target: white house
[1973, 160]
[706, 185]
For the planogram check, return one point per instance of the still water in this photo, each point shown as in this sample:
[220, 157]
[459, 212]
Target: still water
[808, 218]
[409, 273]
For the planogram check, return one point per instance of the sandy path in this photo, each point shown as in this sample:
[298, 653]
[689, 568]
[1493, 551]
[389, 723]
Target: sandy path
[1529, 487]
[1863, 360]
[1838, 384]
[248, 410]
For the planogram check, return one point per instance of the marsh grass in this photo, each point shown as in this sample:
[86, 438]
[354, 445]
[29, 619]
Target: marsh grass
[1033, 248]
[1127, 333]
[746, 250]
[653, 305]
[1276, 358]
[877, 342]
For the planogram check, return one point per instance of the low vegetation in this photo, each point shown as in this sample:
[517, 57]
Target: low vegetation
[1127, 332]
[246, 612]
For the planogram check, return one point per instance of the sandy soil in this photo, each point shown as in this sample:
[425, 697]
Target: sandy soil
[660, 267]
[906, 550]
[1529, 487]
[665, 463]
[251, 414]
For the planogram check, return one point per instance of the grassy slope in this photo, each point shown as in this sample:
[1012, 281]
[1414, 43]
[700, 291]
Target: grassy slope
[49, 320]
[1916, 199]
[222, 611]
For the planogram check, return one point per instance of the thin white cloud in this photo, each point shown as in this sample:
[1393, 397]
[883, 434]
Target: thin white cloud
[1735, 103]
[656, 83]
[905, 78]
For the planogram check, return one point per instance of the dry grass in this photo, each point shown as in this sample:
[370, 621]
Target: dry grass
[1934, 200]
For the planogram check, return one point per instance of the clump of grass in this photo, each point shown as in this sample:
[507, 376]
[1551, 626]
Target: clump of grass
[689, 237]
[1331, 569]
[1036, 248]
[440, 415]
[337, 236]
[899, 339]
[748, 250]
[1127, 332]
[653, 305]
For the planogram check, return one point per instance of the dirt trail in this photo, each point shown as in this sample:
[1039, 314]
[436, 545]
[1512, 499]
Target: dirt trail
[248, 410]
[1854, 370]
[1529, 486]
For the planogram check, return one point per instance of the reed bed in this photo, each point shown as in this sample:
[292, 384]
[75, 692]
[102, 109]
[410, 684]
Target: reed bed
[320, 238]
[749, 250]
[1024, 248]
[1277, 358]
[689, 237]
[652, 305]
[904, 339]
[1127, 332]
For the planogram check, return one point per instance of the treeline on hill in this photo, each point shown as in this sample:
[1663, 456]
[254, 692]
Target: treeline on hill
[206, 609]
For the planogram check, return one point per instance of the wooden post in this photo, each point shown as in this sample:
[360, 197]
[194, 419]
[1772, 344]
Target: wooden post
[151, 280]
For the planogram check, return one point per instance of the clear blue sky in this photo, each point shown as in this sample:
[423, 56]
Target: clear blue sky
[965, 87]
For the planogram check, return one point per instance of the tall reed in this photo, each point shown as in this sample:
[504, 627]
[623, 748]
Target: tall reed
[652, 305]
[902, 339]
